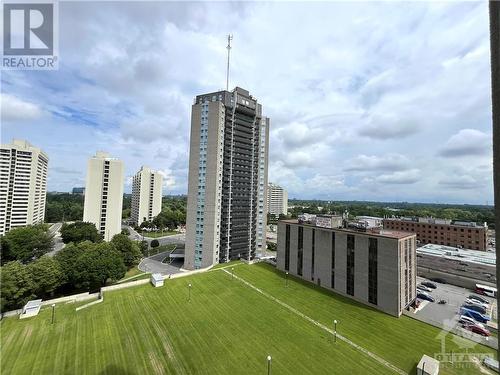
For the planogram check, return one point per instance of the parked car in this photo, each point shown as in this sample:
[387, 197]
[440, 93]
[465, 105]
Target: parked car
[471, 301]
[477, 329]
[425, 296]
[424, 288]
[429, 284]
[466, 320]
[479, 309]
[478, 317]
[479, 298]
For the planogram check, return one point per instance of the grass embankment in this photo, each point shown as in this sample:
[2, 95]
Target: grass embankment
[226, 328]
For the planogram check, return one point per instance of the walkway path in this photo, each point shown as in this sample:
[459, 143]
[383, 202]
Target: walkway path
[322, 326]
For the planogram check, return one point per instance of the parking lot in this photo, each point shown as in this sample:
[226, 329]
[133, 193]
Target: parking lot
[447, 315]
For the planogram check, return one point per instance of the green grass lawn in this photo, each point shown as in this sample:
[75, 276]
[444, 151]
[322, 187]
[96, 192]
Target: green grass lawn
[226, 328]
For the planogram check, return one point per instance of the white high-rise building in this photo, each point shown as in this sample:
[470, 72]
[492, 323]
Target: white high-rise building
[23, 185]
[262, 192]
[277, 200]
[104, 194]
[146, 195]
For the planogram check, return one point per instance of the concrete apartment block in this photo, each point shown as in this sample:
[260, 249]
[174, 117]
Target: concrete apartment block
[104, 194]
[146, 195]
[379, 271]
[277, 200]
[226, 185]
[23, 185]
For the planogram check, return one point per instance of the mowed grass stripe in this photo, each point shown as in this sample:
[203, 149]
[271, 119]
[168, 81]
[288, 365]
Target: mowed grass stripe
[225, 329]
[401, 341]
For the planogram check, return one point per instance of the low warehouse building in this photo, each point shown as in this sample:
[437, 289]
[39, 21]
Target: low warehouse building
[376, 267]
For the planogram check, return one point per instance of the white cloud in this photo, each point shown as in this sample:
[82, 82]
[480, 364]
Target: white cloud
[352, 107]
[467, 142]
[389, 162]
[16, 109]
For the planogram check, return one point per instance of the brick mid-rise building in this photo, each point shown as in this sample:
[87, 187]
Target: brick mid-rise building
[468, 235]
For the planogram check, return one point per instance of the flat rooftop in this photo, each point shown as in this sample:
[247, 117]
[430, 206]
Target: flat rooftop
[370, 232]
[436, 221]
[463, 255]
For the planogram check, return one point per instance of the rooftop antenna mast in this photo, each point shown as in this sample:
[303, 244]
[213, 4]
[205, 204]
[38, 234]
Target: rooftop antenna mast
[229, 39]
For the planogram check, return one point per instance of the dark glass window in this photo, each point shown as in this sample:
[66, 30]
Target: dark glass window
[372, 270]
[300, 250]
[287, 248]
[332, 282]
[350, 265]
[312, 255]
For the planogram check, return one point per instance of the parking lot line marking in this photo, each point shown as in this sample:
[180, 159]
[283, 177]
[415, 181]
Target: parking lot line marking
[322, 326]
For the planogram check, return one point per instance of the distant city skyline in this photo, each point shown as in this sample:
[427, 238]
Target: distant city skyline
[375, 103]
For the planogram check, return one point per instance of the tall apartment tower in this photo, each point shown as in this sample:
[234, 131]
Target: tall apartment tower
[23, 185]
[226, 162]
[277, 200]
[146, 195]
[104, 194]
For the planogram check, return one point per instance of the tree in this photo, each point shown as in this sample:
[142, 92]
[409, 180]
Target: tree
[98, 264]
[128, 249]
[17, 285]
[80, 231]
[68, 257]
[144, 246]
[271, 246]
[155, 243]
[26, 243]
[46, 275]
[126, 231]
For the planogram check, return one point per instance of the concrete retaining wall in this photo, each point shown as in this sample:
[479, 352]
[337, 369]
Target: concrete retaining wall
[90, 304]
[124, 285]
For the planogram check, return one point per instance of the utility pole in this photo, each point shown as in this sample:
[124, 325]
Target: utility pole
[229, 39]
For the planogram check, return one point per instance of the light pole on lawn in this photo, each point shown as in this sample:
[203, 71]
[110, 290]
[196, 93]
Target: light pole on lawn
[286, 279]
[232, 273]
[189, 289]
[269, 365]
[53, 312]
[335, 331]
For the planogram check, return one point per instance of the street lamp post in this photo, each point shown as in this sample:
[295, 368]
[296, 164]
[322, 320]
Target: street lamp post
[286, 279]
[269, 365]
[232, 273]
[53, 312]
[189, 288]
[335, 331]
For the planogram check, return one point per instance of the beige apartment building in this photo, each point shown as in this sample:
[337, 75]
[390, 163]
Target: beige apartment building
[376, 268]
[146, 195]
[226, 213]
[23, 185]
[104, 194]
[277, 200]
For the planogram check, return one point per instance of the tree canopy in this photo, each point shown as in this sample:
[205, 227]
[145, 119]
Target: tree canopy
[27, 243]
[80, 231]
[129, 249]
[17, 285]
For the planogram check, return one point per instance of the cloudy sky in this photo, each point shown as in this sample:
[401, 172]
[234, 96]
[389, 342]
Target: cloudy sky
[368, 101]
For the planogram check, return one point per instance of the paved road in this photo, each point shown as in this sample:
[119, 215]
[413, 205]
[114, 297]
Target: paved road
[58, 243]
[154, 264]
[472, 270]
[174, 239]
